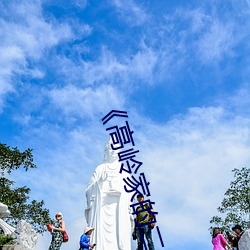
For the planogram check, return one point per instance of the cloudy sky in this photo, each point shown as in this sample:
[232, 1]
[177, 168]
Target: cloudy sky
[179, 68]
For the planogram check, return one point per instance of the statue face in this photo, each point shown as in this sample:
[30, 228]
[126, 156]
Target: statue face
[110, 155]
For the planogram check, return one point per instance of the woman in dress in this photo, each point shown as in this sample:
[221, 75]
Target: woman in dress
[56, 231]
[218, 240]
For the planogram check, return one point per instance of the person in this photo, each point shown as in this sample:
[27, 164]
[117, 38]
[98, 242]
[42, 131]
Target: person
[108, 204]
[56, 231]
[231, 240]
[218, 240]
[85, 239]
[142, 218]
[236, 237]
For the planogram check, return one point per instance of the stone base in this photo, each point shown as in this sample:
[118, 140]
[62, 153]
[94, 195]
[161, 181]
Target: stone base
[13, 247]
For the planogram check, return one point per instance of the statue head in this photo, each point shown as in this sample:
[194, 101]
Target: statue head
[111, 155]
[4, 212]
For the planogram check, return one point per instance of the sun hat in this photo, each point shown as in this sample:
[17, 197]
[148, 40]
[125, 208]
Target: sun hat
[59, 213]
[88, 229]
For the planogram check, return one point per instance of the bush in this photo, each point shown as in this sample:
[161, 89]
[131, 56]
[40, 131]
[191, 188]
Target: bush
[6, 240]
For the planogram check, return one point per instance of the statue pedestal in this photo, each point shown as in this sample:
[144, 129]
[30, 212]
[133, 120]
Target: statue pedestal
[13, 247]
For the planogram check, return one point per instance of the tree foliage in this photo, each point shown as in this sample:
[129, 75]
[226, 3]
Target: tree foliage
[13, 158]
[235, 207]
[17, 199]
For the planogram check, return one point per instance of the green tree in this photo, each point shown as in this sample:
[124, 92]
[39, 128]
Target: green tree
[235, 207]
[17, 199]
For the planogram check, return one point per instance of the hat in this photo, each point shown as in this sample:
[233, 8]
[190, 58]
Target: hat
[88, 229]
[59, 213]
[237, 227]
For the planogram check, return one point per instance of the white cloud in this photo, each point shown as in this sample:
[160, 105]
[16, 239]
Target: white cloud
[239, 101]
[105, 69]
[198, 19]
[143, 63]
[30, 32]
[198, 33]
[123, 70]
[217, 42]
[10, 58]
[80, 3]
[25, 35]
[131, 12]
[86, 102]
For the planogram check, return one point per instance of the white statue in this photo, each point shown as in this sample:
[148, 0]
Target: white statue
[4, 212]
[244, 242]
[108, 205]
[25, 235]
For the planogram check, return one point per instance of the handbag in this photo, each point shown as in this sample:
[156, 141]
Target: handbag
[65, 236]
[49, 227]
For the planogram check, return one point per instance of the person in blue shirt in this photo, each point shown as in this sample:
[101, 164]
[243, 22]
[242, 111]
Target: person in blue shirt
[84, 240]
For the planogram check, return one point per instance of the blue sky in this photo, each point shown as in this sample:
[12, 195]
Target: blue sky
[179, 68]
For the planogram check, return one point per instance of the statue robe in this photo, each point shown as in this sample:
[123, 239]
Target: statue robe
[244, 242]
[108, 208]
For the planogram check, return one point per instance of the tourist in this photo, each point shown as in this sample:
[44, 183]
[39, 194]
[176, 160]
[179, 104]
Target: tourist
[56, 231]
[238, 230]
[231, 240]
[218, 240]
[143, 218]
[85, 239]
